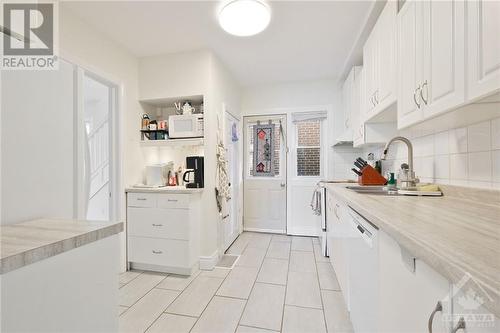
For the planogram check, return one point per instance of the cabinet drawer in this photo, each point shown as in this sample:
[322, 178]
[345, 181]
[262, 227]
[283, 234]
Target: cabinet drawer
[141, 200]
[158, 223]
[168, 200]
[155, 251]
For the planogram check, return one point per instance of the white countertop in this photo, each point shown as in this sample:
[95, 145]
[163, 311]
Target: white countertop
[25, 243]
[165, 189]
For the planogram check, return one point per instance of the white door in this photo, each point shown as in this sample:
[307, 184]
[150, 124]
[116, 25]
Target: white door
[265, 186]
[307, 139]
[483, 26]
[444, 53]
[410, 55]
[231, 224]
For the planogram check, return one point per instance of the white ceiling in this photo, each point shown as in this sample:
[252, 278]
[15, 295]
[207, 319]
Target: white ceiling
[305, 40]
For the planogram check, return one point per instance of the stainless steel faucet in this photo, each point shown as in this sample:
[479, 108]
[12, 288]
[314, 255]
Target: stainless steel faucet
[409, 180]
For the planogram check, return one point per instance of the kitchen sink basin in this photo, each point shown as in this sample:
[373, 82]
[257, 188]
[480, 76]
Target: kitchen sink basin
[378, 190]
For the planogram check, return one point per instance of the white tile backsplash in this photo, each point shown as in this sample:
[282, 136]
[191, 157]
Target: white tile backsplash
[479, 137]
[479, 166]
[465, 156]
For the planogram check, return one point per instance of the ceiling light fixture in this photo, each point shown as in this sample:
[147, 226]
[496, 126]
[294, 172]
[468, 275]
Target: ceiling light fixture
[244, 17]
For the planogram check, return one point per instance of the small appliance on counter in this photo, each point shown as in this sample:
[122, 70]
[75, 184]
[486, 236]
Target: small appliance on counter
[194, 174]
[156, 174]
[185, 126]
[367, 175]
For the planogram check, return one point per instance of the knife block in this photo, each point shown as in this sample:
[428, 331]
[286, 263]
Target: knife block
[371, 176]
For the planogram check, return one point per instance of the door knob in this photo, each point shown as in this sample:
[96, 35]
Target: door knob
[283, 184]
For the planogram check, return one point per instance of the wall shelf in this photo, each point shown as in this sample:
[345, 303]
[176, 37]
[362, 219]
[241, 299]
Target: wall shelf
[173, 142]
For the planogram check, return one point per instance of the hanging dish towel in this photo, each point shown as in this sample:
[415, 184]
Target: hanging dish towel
[316, 201]
[222, 191]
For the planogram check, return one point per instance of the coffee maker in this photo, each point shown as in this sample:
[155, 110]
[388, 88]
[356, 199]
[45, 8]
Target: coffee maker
[195, 166]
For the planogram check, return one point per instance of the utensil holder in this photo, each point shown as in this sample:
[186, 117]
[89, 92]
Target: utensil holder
[371, 176]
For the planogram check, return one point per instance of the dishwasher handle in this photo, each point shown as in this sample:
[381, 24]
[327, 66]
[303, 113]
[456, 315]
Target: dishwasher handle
[361, 229]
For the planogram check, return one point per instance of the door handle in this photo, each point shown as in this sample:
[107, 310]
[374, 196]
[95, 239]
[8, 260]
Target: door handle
[415, 96]
[438, 308]
[283, 184]
[425, 100]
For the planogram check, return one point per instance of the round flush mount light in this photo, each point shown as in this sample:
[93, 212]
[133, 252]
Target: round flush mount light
[244, 17]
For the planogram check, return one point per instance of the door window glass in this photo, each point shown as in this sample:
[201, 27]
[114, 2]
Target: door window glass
[308, 148]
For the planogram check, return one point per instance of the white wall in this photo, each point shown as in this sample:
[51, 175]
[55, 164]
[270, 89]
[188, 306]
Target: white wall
[283, 97]
[86, 47]
[187, 74]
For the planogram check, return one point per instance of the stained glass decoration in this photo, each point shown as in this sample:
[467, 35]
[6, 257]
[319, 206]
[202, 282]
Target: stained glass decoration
[263, 152]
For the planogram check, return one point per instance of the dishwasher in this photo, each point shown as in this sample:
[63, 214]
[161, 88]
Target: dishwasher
[363, 273]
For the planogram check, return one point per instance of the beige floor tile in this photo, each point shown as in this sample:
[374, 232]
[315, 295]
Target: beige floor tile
[221, 315]
[300, 320]
[265, 307]
[251, 257]
[216, 272]
[327, 277]
[143, 313]
[302, 262]
[317, 254]
[239, 245]
[177, 282]
[122, 309]
[303, 290]
[273, 271]
[172, 323]
[278, 250]
[281, 238]
[302, 244]
[337, 317]
[138, 287]
[239, 282]
[260, 241]
[195, 297]
[128, 276]
[248, 329]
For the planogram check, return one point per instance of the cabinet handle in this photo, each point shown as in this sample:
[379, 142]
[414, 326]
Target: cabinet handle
[157, 252]
[438, 308]
[460, 325]
[375, 96]
[335, 211]
[157, 225]
[172, 200]
[141, 199]
[415, 96]
[426, 92]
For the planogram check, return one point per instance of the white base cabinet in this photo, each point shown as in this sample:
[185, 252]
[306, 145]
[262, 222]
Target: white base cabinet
[163, 231]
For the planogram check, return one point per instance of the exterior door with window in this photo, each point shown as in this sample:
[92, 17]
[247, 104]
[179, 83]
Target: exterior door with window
[306, 168]
[265, 174]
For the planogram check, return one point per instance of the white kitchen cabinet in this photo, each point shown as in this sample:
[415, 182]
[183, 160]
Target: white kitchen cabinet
[483, 48]
[431, 59]
[379, 59]
[350, 102]
[407, 298]
[163, 231]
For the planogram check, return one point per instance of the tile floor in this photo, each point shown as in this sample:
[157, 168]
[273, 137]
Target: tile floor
[279, 284]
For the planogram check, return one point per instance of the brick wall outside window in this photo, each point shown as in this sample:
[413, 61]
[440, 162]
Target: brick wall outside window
[308, 148]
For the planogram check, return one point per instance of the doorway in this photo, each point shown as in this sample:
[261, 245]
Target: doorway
[231, 224]
[265, 174]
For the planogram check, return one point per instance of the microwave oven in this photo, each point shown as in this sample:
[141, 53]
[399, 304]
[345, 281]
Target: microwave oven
[185, 126]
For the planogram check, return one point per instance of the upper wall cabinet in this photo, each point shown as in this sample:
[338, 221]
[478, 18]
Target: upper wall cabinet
[379, 57]
[483, 49]
[431, 59]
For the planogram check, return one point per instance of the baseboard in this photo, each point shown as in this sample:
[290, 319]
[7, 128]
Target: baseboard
[310, 232]
[270, 231]
[208, 263]
[163, 269]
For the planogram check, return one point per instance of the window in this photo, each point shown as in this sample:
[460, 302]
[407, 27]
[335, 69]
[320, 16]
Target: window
[308, 148]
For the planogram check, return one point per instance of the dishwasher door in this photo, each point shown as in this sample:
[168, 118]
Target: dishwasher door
[363, 273]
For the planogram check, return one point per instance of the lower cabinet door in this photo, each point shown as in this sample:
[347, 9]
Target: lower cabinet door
[469, 311]
[156, 251]
[408, 300]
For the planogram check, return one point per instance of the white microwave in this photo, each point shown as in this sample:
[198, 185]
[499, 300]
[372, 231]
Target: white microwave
[185, 126]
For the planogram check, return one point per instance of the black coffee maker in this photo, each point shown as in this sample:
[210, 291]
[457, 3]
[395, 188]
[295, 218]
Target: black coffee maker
[194, 165]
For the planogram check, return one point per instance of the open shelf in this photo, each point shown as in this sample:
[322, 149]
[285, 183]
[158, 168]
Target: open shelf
[173, 142]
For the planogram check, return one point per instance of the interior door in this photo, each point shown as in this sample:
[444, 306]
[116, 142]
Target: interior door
[231, 225]
[265, 176]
